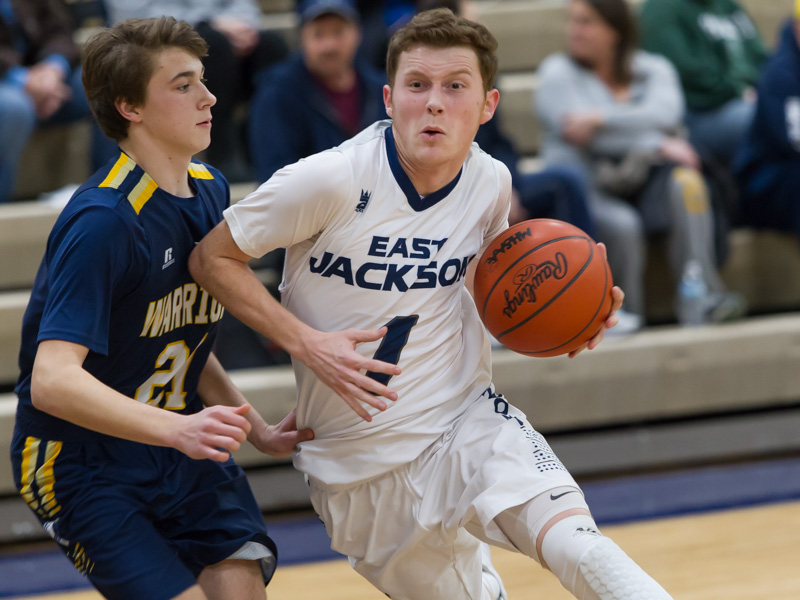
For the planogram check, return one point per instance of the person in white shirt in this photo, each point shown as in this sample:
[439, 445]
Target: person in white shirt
[381, 233]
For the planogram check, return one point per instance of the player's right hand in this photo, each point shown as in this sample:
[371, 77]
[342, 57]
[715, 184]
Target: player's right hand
[332, 356]
[203, 434]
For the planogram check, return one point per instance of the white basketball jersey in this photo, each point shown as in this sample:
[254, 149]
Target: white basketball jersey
[363, 251]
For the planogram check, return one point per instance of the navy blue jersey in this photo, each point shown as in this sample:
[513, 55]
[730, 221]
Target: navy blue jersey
[115, 279]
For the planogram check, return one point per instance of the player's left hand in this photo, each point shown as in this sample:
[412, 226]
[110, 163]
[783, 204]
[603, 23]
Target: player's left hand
[280, 440]
[617, 296]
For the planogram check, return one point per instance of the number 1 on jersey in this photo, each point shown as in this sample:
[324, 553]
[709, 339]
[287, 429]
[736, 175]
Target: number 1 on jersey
[392, 344]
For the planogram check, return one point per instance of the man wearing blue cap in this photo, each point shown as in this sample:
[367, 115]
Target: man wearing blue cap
[318, 98]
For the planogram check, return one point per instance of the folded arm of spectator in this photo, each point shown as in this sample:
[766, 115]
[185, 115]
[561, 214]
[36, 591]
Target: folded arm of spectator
[568, 93]
[278, 129]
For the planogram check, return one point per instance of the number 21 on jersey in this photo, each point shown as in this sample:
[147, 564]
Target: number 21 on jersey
[177, 358]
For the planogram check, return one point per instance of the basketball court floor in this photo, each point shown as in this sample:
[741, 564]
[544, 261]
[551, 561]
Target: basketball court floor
[727, 532]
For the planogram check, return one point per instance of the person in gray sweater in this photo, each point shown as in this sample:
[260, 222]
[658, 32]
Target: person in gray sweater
[616, 112]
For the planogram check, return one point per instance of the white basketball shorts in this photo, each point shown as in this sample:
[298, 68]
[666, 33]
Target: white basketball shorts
[408, 531]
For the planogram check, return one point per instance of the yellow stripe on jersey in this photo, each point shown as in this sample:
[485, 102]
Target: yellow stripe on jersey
[141, 193]
[199, 171]
[119, 171]
[45, 479]
[29, 456]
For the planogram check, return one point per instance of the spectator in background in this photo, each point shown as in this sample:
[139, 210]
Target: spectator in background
[40, 82]
[767, 165]
[558, 192]
[237, 51]
[718, 52]
[616, 110]
[555, 192]
[318, 98]
[380, 19]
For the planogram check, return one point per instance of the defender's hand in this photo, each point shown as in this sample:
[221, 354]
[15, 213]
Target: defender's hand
[281, 440]
[202, 434]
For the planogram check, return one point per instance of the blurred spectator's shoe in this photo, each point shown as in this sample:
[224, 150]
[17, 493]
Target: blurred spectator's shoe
[726, 306]
[627, 323]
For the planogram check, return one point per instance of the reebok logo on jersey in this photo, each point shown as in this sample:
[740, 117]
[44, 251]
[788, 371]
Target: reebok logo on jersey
[362, 202]
[168, 260]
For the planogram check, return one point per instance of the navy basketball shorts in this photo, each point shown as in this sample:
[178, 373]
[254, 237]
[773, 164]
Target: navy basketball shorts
[138, 521]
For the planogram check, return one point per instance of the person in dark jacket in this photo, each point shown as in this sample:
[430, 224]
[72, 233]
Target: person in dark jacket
[767, 165]
[40, 81]
[318, 98]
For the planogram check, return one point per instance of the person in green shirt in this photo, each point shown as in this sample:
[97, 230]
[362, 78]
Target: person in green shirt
[718, 53]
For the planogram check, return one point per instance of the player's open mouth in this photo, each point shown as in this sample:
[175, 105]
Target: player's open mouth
[432, 132]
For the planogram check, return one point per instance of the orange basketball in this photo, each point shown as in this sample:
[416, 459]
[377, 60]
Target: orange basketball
[543, 288]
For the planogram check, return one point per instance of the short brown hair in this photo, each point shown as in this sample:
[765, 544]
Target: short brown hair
[118, 63]
[440, 28]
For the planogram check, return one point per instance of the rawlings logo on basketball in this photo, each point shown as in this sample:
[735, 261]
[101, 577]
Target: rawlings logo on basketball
[543, 288]
[529, 279]
[506, 245]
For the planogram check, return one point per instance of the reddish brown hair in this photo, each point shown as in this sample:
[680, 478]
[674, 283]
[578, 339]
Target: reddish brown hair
[440, 28]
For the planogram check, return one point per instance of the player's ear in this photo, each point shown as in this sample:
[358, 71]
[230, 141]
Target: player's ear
[128, 110]
[490, 105]
[387, 99]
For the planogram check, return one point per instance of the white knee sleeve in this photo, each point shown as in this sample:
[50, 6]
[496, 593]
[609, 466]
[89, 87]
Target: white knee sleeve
[592, 567]
[556, 528]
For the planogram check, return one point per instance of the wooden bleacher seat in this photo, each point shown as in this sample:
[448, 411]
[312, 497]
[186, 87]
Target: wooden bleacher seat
[24, 227]
[518, 122]
[277, 6]
[12, 307]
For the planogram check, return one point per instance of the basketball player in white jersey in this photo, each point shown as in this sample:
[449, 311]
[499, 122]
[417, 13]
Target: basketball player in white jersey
[380, 233]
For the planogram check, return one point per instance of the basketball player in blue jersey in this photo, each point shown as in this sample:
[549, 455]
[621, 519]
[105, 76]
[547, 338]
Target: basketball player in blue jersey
[113, 448]
[381, 232]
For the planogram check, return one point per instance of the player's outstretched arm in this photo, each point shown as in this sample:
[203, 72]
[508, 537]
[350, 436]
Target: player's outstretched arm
[60, 386]
[617, 296]
[216, 388]
[220, 267]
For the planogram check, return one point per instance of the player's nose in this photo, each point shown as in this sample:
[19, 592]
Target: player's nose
[208, 99]
[435, 103]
